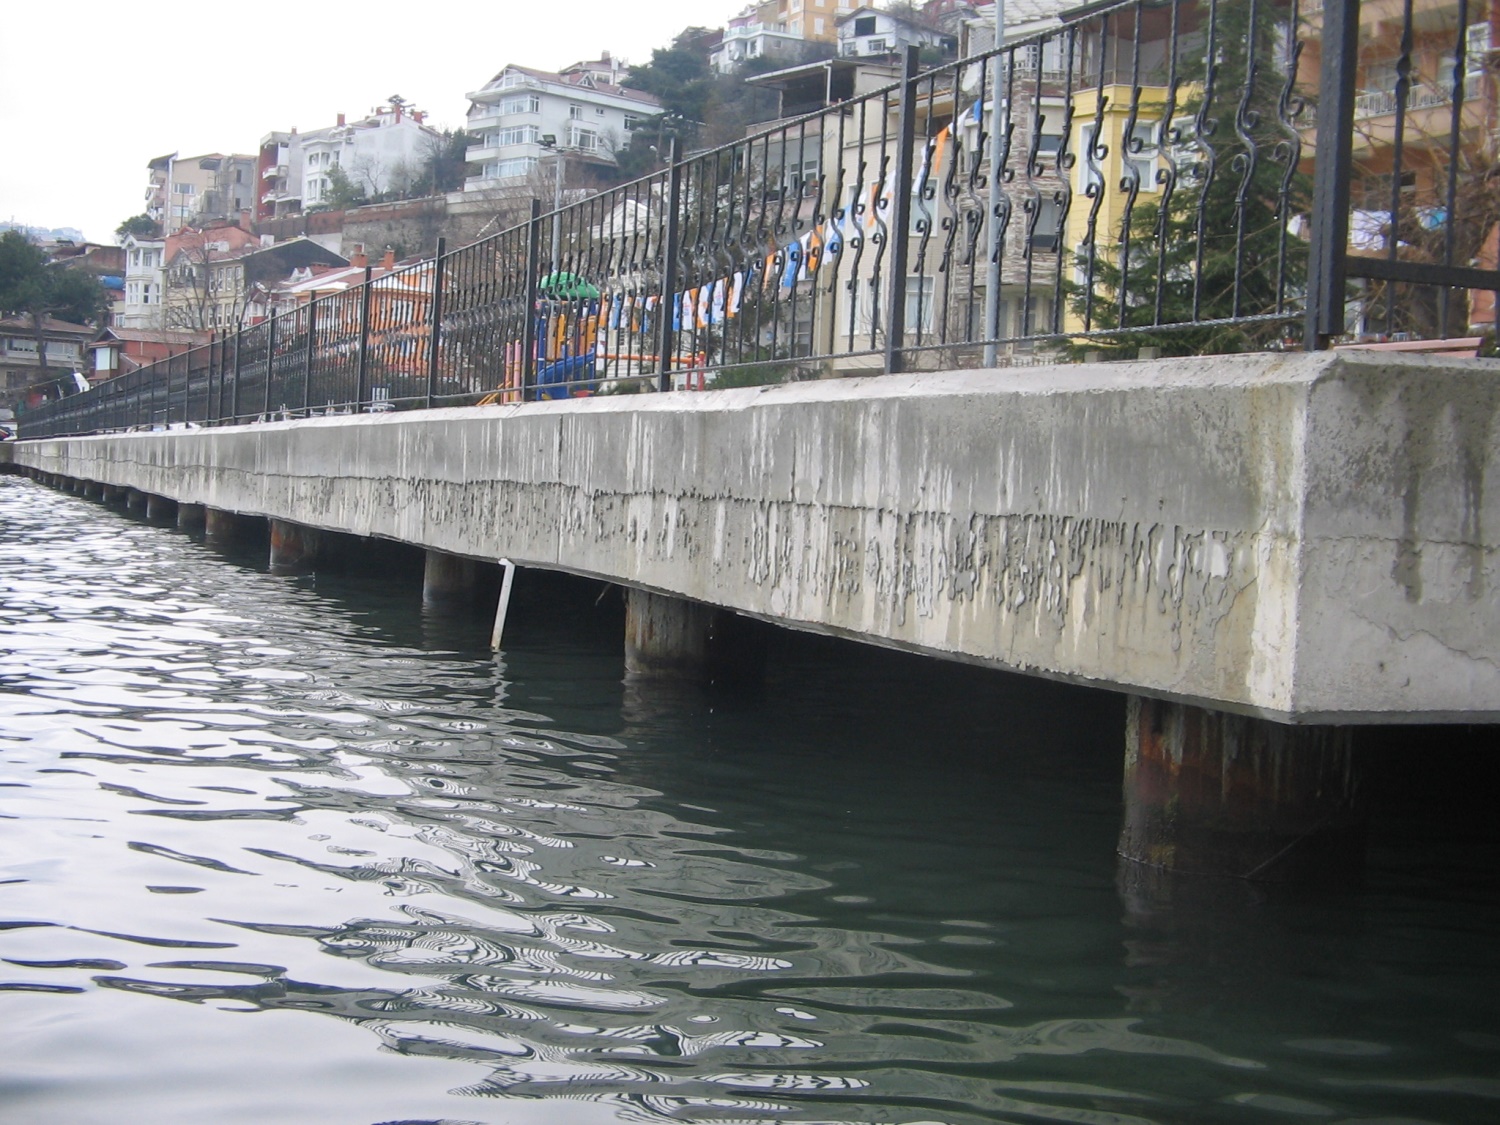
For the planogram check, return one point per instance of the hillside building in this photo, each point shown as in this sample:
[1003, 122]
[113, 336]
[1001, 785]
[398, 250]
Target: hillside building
[580, 116]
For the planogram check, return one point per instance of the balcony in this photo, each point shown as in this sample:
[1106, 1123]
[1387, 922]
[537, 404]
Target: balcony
[478, 154]
[748, 31]
[272, 171]
[1382, 103]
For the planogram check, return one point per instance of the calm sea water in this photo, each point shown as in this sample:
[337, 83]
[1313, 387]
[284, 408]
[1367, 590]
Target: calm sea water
[284, 849]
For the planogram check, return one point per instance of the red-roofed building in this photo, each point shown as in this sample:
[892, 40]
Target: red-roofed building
[122, 350]
[26, 362]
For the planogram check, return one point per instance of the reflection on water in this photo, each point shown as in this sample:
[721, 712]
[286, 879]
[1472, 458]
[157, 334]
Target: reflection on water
[881, 891]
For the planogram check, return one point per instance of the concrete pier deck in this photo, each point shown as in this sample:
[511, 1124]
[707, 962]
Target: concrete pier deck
[1304, 538]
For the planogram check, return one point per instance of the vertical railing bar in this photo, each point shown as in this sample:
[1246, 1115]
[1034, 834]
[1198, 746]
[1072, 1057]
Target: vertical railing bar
[528, 324]
[1329, 234]
[895, 323]
[362, 365]
[1450, 219]
[669, 269]
[1398, 153]
[434, 340]
[307, 359]
[270, 366]
[234, 394]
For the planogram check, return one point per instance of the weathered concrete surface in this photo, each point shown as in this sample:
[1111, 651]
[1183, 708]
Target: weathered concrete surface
[1307, 538]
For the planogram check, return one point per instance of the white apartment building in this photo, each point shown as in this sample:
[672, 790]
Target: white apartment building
[870, 31]
[755, 33]
[587, 116]
[145, 283]
[382, 152]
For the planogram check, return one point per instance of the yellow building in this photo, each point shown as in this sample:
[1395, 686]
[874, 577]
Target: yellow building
[1117, 151]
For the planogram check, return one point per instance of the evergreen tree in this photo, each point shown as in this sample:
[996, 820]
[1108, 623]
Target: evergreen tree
[33, 287]
[1211, 244]
[342, 191]
[142, 226]
[444, 163]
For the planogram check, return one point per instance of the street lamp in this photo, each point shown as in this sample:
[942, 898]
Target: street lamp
[549, 142]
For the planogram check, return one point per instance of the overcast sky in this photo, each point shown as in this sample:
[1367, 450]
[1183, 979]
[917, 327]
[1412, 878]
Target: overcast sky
[90, 91]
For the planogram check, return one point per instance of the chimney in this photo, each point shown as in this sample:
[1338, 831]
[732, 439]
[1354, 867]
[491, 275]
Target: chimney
[389, 261]
[341, 119]
[359, 260]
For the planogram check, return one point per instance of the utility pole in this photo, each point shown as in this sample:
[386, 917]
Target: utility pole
[560, 161]
[557, 196]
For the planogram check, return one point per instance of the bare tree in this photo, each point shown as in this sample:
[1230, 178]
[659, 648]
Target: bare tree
[198, 284]
[369, 171]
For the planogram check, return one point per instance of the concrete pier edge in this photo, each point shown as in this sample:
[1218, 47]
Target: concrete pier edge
[1306, 538]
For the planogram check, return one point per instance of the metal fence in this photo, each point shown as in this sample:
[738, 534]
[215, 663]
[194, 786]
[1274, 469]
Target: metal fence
[1154, 177]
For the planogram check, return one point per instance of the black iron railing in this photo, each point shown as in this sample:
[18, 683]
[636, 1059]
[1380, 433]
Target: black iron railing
[1149, 178]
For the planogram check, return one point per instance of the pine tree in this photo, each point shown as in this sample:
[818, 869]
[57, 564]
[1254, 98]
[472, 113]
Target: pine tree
[1192, 264]
[32, 286]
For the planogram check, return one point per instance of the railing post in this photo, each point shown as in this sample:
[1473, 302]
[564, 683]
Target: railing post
[213, 391]
[669, 270]
[1329, 236]
[234, 394]
[528, 323]
[437, 324]
[895, 317]
[307, 360]
[270, 366]
[362, 376]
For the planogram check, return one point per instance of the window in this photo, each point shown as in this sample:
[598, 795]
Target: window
[1182, 147]
[575, 112]
[585, 139]
[599, 112]
[1047, 234]
[185, 189]
[802, 179]
[530, 103]
[1140, 155]
[919, 302]
[135, 258]
[1090, 160]
[239, 175]
[1049, 126]
[511, 169]
[867, 318]
[516, 135]
[864, 25]
[631, 122]
[818, 26]
[1048, 57]
[876, 47]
